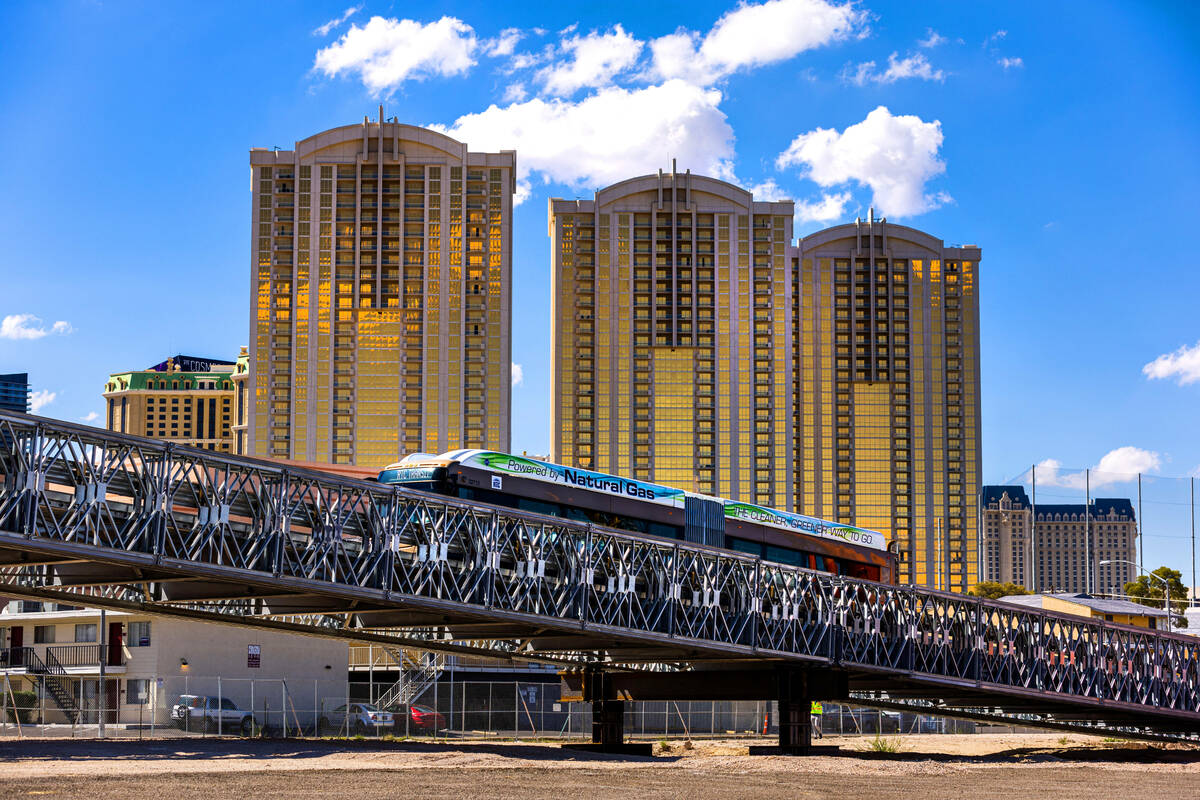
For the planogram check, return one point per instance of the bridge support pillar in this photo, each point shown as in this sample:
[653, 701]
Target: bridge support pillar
[608, 717]
[795, 703]
[608, 723]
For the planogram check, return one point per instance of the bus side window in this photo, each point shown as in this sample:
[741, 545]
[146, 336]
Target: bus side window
[818, 563]
[743, 545]
[784, 555]
[666, 531]
[576, 514]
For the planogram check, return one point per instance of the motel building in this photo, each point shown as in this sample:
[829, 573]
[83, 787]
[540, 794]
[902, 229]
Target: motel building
[58, 652]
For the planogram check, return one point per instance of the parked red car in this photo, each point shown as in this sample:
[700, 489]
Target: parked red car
[416, 719]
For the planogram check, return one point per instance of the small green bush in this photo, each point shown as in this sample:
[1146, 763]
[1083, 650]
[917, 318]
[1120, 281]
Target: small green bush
[882, 744]
[26, 704]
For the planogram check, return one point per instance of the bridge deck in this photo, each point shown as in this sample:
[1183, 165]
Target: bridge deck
[129, 522]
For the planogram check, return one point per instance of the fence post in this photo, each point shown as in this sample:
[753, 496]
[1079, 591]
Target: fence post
[252, 682]
[220, 709]
[283, 706]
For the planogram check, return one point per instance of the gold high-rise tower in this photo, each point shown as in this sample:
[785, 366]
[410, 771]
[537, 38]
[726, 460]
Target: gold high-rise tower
[886, 380]
[381, 296]
[672, 360]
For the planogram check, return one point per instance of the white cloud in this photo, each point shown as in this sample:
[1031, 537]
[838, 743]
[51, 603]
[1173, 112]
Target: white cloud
[829, 207]
[522, 61]
[913, 66]
[518, 374]
[932, 39]
[387, 52]
[515, 92]
[27, 326]
[322, 30]
[752, 35]
[91, 416]
[894, 155]
[1116, 466]
[40, 399]
[504, 44]
[769, 191]
[593, 61]
[1183, 365]
[995, 37]
[1009, 63]
[592, 143]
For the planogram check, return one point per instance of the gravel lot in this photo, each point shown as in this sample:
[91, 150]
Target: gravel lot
[980, 766]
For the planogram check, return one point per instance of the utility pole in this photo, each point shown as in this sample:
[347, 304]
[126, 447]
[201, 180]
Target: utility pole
[1034, 575]
[103, 662]
[1087, 530]
[1192, 506]
[1141, 526]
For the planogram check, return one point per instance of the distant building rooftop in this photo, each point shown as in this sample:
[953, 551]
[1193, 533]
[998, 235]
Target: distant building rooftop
[190, 364]
[1099, 507]
[1104, 606]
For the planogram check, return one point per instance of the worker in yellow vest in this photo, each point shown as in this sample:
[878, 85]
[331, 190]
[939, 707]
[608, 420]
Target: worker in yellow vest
[817, 712]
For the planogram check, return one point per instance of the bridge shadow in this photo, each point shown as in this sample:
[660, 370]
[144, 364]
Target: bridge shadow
[1117, 752]
[216, 749]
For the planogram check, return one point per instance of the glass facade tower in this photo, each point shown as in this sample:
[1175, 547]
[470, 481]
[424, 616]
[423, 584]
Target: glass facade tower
[381, 296]
[885, 342]
[671, 336]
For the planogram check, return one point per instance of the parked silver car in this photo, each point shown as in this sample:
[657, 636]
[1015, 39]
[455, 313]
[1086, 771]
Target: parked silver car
[211, 714]
[362, 718]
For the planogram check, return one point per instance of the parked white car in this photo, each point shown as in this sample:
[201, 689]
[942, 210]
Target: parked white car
[211, 714]
[362, 719]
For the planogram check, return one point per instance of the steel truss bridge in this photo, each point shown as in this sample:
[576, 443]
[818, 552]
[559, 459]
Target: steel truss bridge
[122, 522]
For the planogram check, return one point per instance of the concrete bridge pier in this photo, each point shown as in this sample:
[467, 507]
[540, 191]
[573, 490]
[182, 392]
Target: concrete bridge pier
[795, 703]
[608, 716]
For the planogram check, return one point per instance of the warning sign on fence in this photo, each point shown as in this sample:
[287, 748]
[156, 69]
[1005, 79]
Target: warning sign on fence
[253, 656]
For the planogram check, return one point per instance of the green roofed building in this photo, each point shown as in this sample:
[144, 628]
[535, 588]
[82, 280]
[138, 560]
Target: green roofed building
[184, 399]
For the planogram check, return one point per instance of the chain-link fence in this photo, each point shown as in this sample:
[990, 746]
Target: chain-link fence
[450, 710]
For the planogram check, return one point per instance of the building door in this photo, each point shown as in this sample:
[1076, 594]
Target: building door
[115, 643]
[17, 642]
[110, 700]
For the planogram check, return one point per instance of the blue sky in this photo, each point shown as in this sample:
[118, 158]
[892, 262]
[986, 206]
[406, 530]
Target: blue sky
[1060, 137]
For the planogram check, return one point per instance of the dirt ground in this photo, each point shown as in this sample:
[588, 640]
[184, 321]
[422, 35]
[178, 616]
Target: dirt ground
[1012, 767]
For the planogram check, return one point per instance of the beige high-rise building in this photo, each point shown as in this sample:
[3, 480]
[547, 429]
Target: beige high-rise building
[886, 332]
[184, 399]
[1007, 528]
[241, 405]
[1058, 547]
[381, 296]
[672, 355]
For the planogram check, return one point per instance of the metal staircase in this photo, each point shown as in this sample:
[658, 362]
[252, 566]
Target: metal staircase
[418, 671]
[47, 673]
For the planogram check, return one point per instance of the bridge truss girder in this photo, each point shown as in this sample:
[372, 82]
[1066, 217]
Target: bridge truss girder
[132, 522]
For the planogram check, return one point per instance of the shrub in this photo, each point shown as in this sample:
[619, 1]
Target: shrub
[881, 744]
[26, 704]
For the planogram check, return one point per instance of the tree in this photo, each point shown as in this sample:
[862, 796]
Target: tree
[1149, 592]
[994, 590]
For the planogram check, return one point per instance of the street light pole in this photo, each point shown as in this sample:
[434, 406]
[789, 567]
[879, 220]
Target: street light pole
[1166, 584]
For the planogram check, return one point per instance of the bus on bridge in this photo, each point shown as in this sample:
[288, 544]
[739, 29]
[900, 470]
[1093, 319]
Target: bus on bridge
[527, 484]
